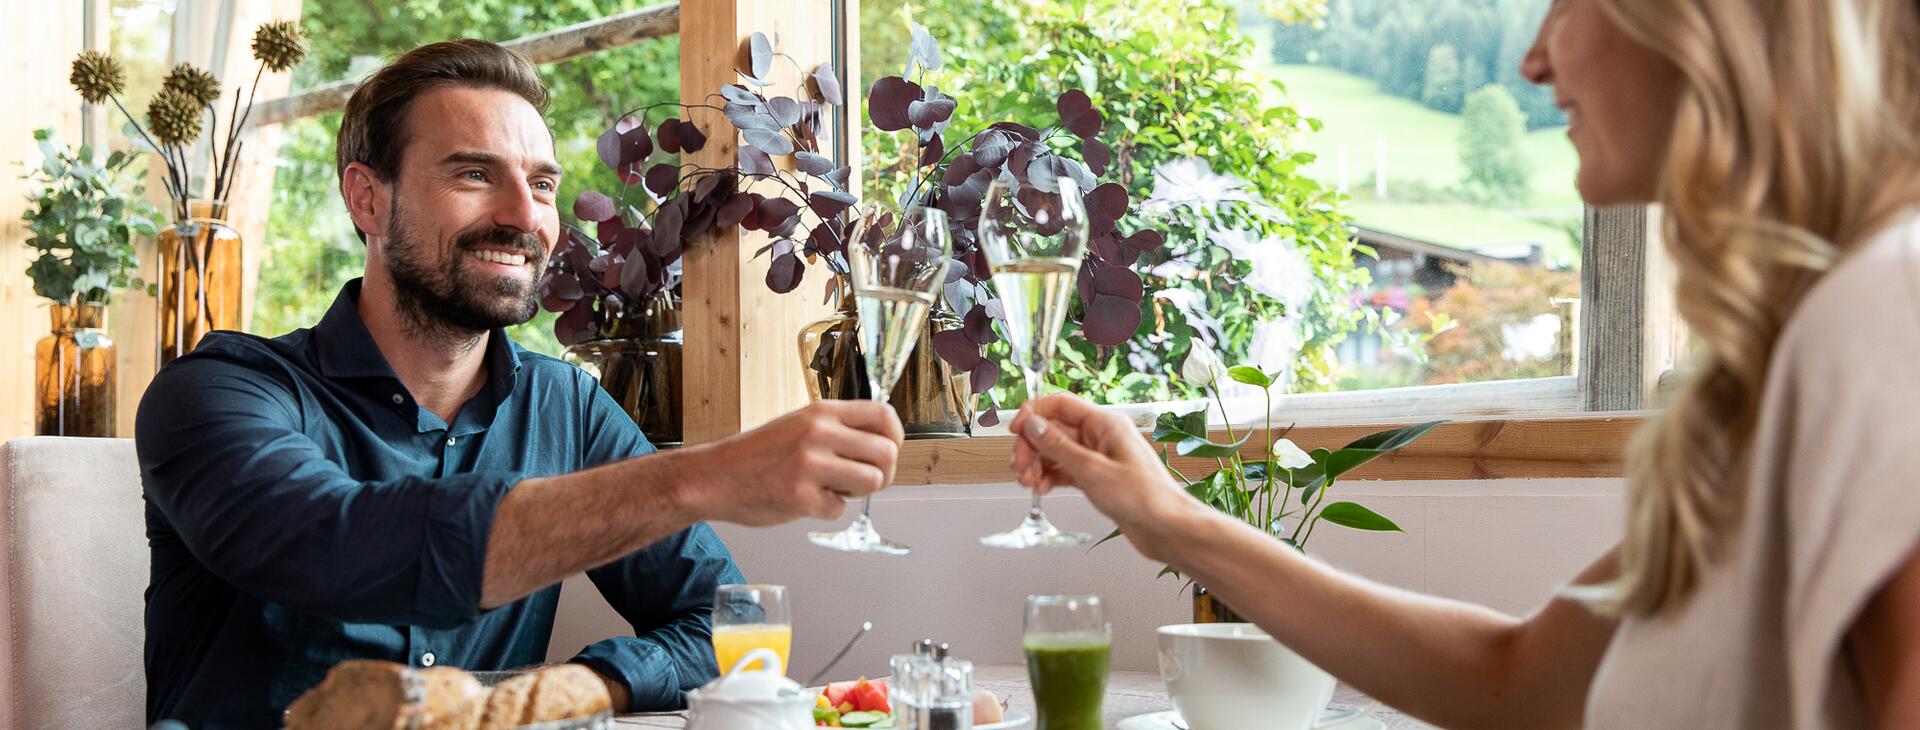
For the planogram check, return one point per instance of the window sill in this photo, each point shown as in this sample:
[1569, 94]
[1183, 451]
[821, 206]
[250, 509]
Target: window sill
[1493, 448]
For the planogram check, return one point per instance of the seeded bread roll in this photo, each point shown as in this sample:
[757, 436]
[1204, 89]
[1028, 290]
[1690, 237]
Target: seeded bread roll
[564, 692]
[361, 694]
[454, 701]
[507, 703]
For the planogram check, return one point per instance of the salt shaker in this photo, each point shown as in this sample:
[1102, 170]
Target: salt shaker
[931, 690]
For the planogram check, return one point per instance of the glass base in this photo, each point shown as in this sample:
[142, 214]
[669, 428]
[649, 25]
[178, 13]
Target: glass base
[859, 537]
[1035, 532]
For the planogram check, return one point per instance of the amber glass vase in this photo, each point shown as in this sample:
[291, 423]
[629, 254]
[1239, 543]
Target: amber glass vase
[933, 399]
[73, 374]
[199, 278]
[638, 363]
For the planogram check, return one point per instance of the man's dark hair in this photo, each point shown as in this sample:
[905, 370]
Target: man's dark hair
[372, 130]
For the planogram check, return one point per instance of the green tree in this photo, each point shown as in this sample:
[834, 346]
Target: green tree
[1490, 150]
[311, 248]
[1444, 81]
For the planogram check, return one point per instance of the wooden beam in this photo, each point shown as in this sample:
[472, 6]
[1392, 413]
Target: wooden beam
[613, 31]
[742, 363]
[1460, 450]
[1613, 301]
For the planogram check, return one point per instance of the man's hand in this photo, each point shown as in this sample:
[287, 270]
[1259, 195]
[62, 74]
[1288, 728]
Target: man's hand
[803, 464]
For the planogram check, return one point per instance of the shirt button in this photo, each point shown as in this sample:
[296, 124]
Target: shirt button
[426, 660]
[451, 440]
[397, 400]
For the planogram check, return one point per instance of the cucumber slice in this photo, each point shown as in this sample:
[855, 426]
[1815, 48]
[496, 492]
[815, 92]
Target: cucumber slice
[864, 718]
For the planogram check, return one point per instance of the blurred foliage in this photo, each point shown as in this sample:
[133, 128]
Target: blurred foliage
[1491, 151]
[1485, 304]
[1170, 77]
[83, 219]
[1394, 42]
[311, 248]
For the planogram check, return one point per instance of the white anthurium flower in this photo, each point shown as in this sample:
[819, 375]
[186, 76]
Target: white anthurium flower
[1288, 455]
[1202, 366]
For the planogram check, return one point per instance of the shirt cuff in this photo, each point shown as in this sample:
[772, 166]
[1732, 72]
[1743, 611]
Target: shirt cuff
[652, 678]
[453, 555]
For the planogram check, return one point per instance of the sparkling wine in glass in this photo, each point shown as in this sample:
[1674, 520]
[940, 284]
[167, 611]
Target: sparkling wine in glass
[1034, 241]
[898, 263]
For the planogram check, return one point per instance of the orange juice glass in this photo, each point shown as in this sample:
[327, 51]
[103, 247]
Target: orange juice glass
[748, 617]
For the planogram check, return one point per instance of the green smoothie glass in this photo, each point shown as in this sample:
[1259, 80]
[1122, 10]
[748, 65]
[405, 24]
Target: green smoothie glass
[1068, 642]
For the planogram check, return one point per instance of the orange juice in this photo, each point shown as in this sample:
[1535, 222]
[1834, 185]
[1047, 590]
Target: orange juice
[732, 642]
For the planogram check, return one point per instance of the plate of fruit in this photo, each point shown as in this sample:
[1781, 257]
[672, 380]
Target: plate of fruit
[863, 703]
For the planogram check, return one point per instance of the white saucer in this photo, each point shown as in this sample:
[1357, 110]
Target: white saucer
[1165, 721]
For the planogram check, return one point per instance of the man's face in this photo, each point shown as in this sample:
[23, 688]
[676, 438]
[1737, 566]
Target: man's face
[472, 217]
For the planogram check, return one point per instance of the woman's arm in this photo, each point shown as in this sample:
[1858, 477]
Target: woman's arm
[1885, 644]
[1443, 661]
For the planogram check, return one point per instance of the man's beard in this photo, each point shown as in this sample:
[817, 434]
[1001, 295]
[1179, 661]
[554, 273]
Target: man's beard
[451, 301]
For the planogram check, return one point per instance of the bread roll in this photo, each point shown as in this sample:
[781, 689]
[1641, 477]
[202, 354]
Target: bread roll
[454, 701]
[361, 694]
[564, 692]
[507, 703]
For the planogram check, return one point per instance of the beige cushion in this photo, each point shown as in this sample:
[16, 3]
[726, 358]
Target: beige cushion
[73, 580]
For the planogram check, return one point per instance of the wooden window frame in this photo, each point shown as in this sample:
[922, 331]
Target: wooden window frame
[741, 346]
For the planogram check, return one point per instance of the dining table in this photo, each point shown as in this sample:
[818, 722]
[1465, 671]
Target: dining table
[1128, 694]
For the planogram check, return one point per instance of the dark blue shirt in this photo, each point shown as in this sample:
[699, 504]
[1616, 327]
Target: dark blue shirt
[302, 509]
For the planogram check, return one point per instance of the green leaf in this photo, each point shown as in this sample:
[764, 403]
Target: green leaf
[1250, 376]
[1110, 536]
[1196, 446]
[1370, 447]
[1166, 571]
[1348, 514]
[1170, 427]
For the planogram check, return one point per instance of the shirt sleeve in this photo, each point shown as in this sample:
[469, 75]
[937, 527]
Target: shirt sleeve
[224, 459]
[666, 592]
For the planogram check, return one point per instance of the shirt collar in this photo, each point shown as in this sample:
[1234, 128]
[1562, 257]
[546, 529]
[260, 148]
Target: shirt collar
[345, 349]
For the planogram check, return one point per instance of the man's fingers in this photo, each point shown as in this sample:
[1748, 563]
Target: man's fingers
[846, 476]
[875, 417]
[864, 447]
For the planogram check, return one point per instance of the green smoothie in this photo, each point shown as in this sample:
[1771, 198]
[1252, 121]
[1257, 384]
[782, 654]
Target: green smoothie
[1069, 677]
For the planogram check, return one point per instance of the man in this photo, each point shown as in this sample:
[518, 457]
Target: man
[403, 482]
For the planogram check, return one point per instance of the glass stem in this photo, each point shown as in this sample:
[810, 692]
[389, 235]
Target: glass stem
[1033, 394]
[874, 392]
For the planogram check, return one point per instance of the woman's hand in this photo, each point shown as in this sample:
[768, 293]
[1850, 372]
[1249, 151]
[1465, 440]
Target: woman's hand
[1063, 440]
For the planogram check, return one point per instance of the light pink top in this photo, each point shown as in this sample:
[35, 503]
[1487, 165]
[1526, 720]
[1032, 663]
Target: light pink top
[1832, 509]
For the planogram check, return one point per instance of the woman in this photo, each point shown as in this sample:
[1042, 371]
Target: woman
[1768, 576]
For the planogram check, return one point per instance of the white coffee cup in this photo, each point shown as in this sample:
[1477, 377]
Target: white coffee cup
[1236, 677]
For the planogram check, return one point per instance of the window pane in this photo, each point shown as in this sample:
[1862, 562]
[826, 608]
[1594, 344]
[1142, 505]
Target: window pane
[312, 249]
[1355, 193]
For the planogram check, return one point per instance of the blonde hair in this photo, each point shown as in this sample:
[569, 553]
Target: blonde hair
[1793, 140]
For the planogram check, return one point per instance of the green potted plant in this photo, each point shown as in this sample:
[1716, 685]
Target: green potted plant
[1261, 491]
[83, 224]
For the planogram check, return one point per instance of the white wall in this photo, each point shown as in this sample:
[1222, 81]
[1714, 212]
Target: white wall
[1507, 544]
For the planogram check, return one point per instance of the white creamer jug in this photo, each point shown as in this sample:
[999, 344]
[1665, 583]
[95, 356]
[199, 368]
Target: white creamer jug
[760, 699]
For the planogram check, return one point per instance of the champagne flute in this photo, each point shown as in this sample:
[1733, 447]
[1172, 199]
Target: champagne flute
[1068, 645]
[1034, 241]
[898, 264]
[748, 617]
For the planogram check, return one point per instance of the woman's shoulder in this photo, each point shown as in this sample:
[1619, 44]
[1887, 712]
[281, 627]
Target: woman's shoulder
[1869, 302]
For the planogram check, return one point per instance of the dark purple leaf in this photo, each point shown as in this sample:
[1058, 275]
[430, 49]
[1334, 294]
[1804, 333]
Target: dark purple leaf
[1110, 250]
[1022, 157]
[1076, 171]
[926, 114]
[934, 150]
[609, 146]
[631, 240]
[1044, 209]
[984, 377]
[593, 205]
[626, 122]
[598, 265]
[699, 220]
[977, 263]
[573, 326]
[734, 210]
[663, 178]
[669, 136]
[962, 167]
[829, 203]
[828, 83]
[771, 142]
[707, 185]
[635, 145]
[737, 94]
[565, 287]
[1110, 320]
[751, 221]
[552, 303]
[1118, 281]
[610, 279]
[666, 228]
[632, 174]
[840, 177]
[1098, 155]
[610, 228]
[635, 275]
[888, 100]
[813, 164]
[754, 162]
[1042, 175]
[991, 148]
[759, 55]
[1072, 103]
[1105, 205]
[785, 111]
[691, 138]
[1022, 131]
[991, 418]
[778, 216]
[979, 327]
[957, 349]
[1145, 240]
[1083, 284]
[825, 239]
[785, 273]
[580, 253]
